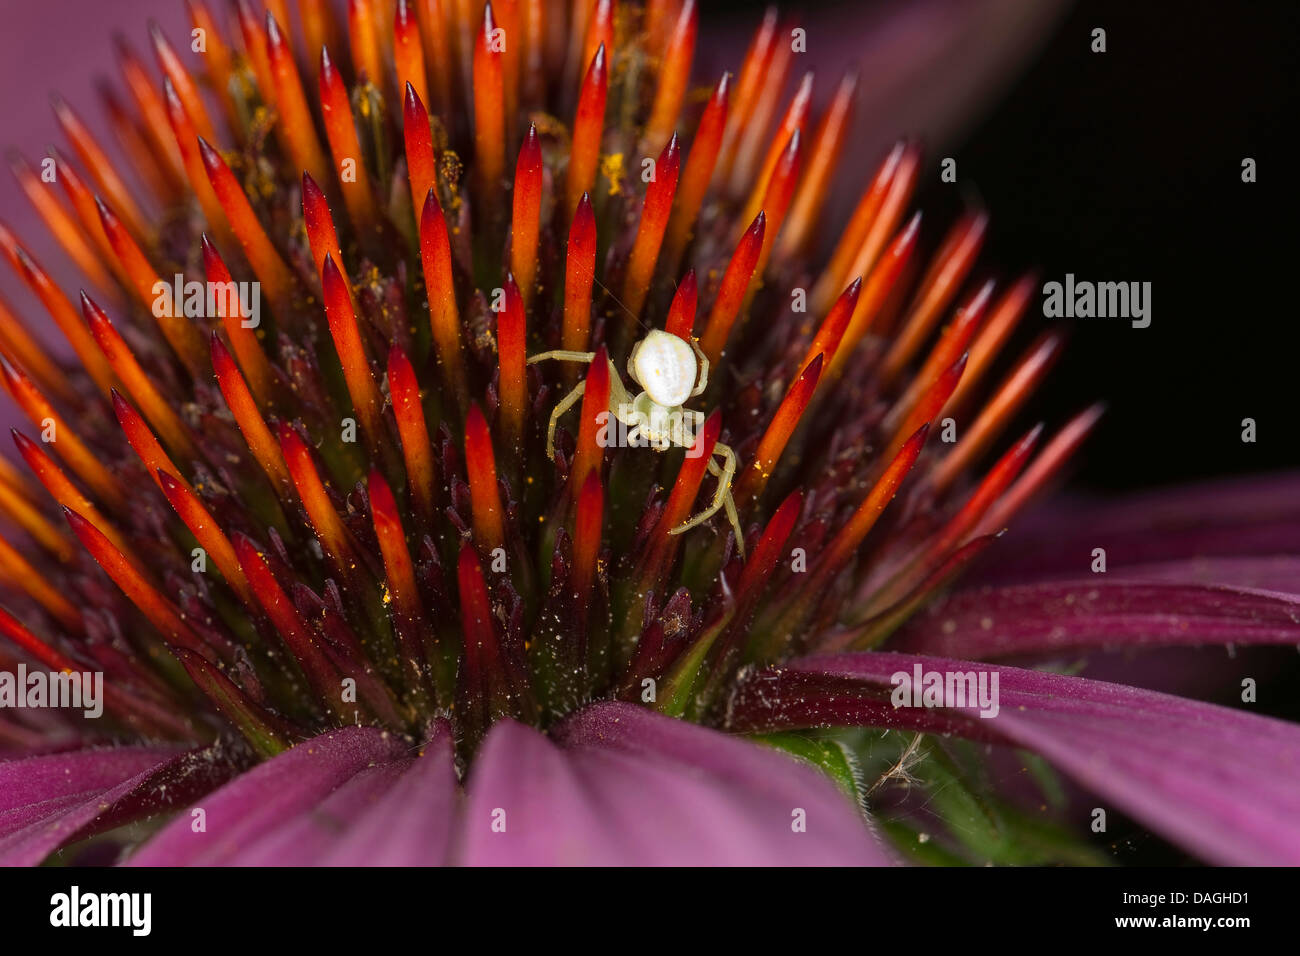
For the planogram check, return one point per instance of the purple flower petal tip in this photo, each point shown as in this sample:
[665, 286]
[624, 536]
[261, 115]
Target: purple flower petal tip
[234, 820]
[50, 801]
[1158, 607]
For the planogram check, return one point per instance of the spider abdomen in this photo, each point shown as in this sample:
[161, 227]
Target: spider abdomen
[664, 365]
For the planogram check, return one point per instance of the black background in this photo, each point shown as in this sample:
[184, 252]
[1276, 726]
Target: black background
[331, 910]
[1126, 166]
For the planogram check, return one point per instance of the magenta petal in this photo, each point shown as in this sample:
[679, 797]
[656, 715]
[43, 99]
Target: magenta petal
[1243, 516]
[1222, 783]
[770, 782]
[47, 802]
[1276, 572]
[305, 838]
[28, 786]
[629, 787]
[1106, 611]
[257, 803]
[396, 813]
[411, 824]
[522, 782]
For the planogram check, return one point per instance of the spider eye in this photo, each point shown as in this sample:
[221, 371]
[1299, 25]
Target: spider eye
[665, 367]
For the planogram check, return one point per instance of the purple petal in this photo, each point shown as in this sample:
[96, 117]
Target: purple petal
[1222, 783]
[524, 783]
[1278, 572]
[1107, 611]
[306, 837]
[633, 787]
[774, 781]
[397, 814]
[50, 801]
[273, 793]
[1247, 516]
[411, 825]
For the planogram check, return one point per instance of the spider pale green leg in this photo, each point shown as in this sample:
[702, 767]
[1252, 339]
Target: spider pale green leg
[562, 355]
[704, 369]
[721, 498]
[566, 403]
[698, 419]
[729, 503]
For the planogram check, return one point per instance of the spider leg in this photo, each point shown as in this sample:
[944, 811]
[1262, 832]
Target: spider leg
[728, 502]
[686, 425]
[563, 355]
[561, 407]
[698, 419]
[721, 498]
[704, 369]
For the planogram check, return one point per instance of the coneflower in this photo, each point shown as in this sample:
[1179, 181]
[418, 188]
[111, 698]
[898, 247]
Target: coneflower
[474, 405]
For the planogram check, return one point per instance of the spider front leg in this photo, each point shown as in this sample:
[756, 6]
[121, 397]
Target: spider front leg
[563, 355]
[618, 396]
[564, 404]
[721, 498]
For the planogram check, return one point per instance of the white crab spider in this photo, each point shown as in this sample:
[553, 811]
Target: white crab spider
[670, 371]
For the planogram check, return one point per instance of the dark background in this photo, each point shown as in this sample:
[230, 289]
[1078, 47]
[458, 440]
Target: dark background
[1126, 166]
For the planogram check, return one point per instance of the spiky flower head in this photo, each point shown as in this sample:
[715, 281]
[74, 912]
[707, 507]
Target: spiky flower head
[303, 451]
